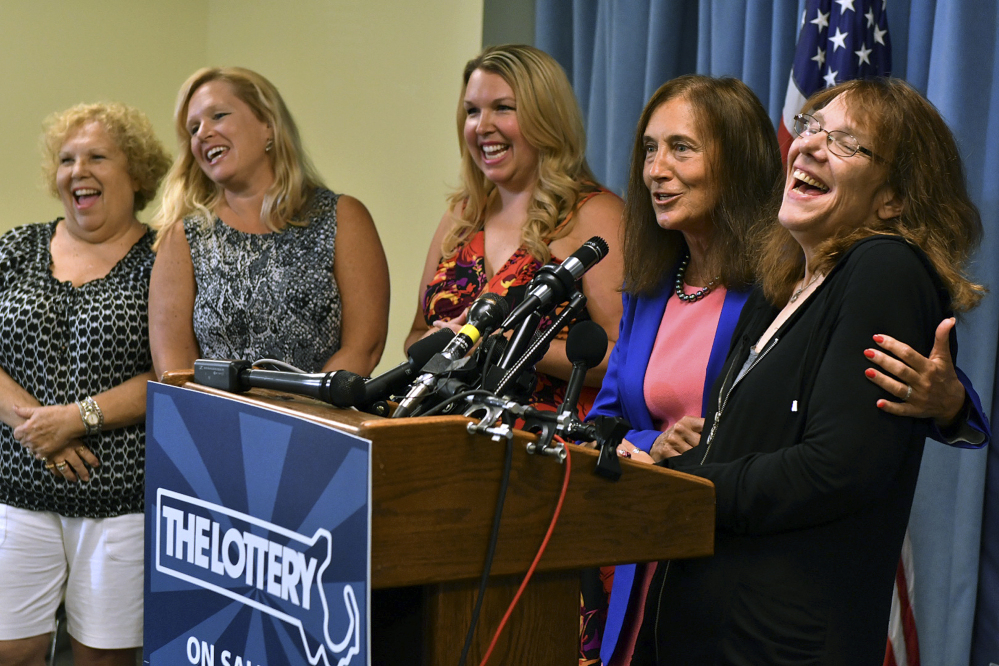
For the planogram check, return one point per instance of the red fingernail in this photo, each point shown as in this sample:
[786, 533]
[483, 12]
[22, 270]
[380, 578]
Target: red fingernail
[879, 339]
[869, 353]
[870, 373]
[882, 403]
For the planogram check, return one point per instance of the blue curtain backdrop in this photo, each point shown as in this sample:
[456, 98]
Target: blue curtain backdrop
[617, 52]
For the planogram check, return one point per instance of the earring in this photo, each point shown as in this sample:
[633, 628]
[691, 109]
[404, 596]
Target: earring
[268, 145]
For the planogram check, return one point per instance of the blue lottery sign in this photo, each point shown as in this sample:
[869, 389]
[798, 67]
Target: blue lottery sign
[257, 536]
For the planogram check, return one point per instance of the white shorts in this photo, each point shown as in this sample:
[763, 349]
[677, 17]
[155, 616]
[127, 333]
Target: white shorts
[95, 562]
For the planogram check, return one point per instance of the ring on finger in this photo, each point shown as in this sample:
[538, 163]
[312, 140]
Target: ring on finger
[81, 449]
[908, 393]
[61, 465]
[50, 466]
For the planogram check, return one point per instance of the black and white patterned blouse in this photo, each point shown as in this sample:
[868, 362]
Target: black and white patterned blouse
[268, 295]
[63, 343]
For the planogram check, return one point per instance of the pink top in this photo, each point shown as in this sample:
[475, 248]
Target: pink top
[674, 388]
[674, 380]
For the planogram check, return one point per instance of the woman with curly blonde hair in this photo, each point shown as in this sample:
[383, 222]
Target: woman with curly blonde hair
[527, 197]
[256, 258]
[74, 363]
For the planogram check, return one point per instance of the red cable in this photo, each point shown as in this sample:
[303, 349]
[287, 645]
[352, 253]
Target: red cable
[537, 558]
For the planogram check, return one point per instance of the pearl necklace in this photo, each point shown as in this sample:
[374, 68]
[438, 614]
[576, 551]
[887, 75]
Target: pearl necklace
[697, 295]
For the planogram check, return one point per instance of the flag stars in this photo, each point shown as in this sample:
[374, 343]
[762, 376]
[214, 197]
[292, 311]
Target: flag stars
[845, 5]
[870, 17]
[820, 57]
[839, 40]
[879, 35]
[821, 21]
[862, 55]
[830, 78]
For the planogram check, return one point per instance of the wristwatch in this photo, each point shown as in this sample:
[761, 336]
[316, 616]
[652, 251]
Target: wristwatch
[93, 417]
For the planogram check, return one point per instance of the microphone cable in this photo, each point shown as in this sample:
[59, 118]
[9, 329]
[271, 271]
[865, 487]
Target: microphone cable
[280, 365]
[537, 558]
[457, 397]
[490, 551]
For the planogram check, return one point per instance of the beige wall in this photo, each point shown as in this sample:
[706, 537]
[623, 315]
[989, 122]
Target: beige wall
[373, 85]
[54, 54]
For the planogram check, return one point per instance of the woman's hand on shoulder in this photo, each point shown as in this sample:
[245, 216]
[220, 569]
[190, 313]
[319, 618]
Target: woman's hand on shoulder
[362, 274]
[171, 304]
[936, 392]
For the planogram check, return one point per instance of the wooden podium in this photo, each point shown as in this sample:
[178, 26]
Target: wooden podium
[434, 493]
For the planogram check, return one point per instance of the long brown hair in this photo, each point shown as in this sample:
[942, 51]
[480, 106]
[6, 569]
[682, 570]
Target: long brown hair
[746, 166]
[551, 123]
[923, 170]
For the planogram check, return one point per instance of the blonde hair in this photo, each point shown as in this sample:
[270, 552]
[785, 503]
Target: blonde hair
[923, 169]
[550, 121]
[188, 190]
[130, 130]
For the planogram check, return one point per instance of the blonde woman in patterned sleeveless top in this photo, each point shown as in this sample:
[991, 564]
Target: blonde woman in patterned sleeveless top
[256, 258]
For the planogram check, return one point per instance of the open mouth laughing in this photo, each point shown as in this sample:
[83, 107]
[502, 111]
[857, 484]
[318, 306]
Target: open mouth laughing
[85, 196]
[493, 151]
[214, 153]
[806, 184]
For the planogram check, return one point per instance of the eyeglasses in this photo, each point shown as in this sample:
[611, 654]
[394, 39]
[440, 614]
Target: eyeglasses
[839, 142]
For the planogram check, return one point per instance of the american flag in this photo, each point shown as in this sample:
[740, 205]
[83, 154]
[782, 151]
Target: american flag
[839, 40]
[842, 40]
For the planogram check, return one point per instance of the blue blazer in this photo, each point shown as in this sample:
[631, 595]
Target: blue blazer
[622, 394]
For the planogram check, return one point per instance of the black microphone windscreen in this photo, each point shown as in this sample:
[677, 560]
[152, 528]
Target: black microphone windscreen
[488, 311]
[586, 343]
[598, 245]
[343, 389]
[424, 349]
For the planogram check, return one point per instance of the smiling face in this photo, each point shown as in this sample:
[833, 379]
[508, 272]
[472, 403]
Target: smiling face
[228, 141]
[825, 193]
[677, 170]
[492, 133]
[93, 183]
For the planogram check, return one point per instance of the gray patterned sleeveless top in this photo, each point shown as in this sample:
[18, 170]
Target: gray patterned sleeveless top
[268, 295]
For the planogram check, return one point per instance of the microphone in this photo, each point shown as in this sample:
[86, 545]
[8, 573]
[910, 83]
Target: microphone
[420, 352]
[585, 347]
[554, 282]
[339, 388]
[484, 315]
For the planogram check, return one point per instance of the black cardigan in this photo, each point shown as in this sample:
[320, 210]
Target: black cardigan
[813, 482]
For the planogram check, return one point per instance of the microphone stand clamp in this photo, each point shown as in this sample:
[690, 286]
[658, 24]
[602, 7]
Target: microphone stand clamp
[497, 409]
